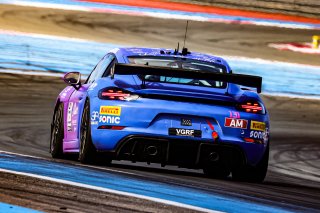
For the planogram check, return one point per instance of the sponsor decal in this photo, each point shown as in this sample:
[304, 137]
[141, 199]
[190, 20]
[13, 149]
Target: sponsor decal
[266, 134]
[75, 109]
[110, 110]
[64, 93]
[94, 115]
[256, 125]
[236, 123]
[186, 122]
[94, 122]
[257, 134]
[74, 122]
[234, 114]
[69, 116]
[109, 119]
[185, 132]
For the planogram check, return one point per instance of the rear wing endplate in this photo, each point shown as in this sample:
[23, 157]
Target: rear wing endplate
[240, 79]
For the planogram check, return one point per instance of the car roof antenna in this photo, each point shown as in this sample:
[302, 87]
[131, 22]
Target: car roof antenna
[176, 51]
[184, 49]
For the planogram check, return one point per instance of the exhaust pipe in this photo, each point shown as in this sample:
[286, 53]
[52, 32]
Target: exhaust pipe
[213, 157]
[152, 150]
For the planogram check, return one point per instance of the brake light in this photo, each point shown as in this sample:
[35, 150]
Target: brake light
[115, 93]
[252, 107]
[250, 140]
[111, 127]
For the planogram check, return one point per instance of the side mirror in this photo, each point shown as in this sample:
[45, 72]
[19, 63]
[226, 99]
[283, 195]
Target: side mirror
[73, 79]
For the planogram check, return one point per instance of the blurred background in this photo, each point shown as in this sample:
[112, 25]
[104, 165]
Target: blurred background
[278, 40]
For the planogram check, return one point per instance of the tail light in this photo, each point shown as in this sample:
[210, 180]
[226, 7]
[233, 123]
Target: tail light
[111, 127]
[114, 93]
[252, 107]
[250, 140]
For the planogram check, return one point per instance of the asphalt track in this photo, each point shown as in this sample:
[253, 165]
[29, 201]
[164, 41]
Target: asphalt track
[293, 177]
[26, 107]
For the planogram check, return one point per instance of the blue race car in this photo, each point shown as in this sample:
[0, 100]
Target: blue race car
[168, 107]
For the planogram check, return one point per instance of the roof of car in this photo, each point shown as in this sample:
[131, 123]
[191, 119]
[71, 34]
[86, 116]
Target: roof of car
[162, 52]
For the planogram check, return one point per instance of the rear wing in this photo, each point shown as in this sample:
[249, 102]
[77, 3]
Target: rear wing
[133, 69]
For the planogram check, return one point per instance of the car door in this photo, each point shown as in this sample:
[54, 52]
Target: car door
[77, 101]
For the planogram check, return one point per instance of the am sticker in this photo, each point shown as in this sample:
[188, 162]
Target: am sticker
[236, 123]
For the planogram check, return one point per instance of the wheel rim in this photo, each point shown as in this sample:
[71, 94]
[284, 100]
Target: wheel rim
[55, 129]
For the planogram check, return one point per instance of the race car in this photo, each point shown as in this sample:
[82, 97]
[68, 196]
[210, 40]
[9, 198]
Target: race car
[168, 107]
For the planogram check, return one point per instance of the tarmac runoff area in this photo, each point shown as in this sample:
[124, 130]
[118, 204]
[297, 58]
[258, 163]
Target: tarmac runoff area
[128, 185]
[294, 164]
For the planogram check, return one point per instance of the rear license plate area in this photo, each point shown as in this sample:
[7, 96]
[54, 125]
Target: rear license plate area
[185, 132]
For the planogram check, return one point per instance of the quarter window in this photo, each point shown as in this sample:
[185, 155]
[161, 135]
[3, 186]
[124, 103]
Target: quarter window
[101, 67]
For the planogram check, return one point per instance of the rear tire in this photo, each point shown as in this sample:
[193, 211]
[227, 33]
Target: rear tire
[57, 133]
[87, 152]
[252, 174]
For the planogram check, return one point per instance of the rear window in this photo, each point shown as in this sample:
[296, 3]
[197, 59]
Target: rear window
[181, 63]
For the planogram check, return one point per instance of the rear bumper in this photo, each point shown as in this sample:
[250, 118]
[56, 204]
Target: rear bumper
[188, 153]
[151, 119]
[183, 153]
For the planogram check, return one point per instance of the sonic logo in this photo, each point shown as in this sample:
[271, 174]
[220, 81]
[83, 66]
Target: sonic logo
[257, 134]
[109, 119]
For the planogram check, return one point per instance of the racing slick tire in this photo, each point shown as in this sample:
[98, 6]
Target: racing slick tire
[252, 174]
[88, 153]
[57, 133]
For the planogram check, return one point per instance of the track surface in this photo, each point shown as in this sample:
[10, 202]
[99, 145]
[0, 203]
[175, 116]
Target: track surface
[26, 114]
[27, 103]
[49, 196]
